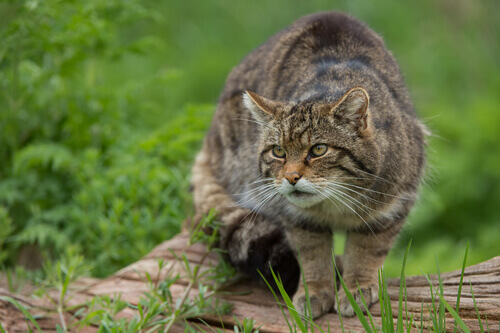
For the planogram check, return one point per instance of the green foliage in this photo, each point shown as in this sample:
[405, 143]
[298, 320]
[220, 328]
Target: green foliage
[59, 275]
[105, 103]
[5, 230]
[245, 326]
[157, 309]
[78, 166]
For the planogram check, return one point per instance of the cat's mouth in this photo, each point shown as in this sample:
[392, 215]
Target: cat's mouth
[303, 199]
[300, 194]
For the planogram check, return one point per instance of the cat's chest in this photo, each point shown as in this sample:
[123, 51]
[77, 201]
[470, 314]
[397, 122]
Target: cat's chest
[329, 214]
[340, 215]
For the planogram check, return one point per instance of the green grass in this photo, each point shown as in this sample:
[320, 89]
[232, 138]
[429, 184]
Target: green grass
[30, 320]
[432, 318]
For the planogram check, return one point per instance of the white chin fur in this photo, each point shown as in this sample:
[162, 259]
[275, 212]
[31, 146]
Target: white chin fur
[310, 197]
[305, 202]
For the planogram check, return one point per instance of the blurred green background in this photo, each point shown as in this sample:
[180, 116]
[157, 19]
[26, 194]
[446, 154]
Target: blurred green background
[103, 105]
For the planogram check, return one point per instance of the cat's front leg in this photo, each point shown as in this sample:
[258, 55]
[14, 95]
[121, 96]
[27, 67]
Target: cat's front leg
[315, 251]
[364, 255]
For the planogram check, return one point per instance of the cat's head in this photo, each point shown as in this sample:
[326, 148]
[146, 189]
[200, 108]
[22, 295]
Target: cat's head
[316, 151]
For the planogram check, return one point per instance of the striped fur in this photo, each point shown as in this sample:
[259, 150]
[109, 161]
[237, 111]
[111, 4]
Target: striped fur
[325, 80]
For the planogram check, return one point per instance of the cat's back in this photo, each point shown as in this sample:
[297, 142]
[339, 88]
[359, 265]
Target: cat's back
[313, 52]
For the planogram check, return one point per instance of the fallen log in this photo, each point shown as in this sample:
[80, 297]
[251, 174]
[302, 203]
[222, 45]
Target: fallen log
[250, 299]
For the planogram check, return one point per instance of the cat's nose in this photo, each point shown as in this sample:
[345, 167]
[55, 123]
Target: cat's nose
[292, 177]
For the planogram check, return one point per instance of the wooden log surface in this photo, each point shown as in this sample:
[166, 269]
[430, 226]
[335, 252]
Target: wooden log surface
[251, 300]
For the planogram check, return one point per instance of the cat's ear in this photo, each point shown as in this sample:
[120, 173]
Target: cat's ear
[353, 108]
[262, 109]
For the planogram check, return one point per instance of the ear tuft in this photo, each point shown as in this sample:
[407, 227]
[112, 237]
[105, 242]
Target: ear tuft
[248, 101]
[261, 108]
[353, 106]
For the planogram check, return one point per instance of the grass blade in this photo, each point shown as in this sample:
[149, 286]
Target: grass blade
[291, 308]
[442, 318]
[355, 306]
[450, 309]
[277, 300]
[381, 300]
[375, 329]
[475, 307]
[455, 315]
[409, 326]
[306, 290]
[388, 317]
[402, 288]
[422, 317]
[433, 311]
[22, 309]
[336, 290]
[460, 285]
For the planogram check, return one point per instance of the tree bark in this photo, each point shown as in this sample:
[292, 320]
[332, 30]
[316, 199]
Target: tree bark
[251, 300]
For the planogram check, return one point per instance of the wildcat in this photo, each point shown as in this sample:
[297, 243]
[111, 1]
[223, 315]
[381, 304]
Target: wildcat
[314, 132]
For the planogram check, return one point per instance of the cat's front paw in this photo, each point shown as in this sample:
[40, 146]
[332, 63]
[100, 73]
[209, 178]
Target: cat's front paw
[370, 294]
[321, 299]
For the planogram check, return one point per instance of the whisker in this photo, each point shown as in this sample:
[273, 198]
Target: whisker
[266, 200]
[246, 200]
[346, 178]
[251, 120]
[251, 210]
[369, 190]
[372, 175]
[355, 212]
[260, 180]
[259, 188]
[354, 191]
[364, 196]
[349, 199]
[325, 196]
[354, 200]
[358, 205]
[256, 197]
[255, 211]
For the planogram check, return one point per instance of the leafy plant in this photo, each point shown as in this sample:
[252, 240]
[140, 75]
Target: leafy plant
[77, 163]
[5, 230]
[245, 326]
[158, 310]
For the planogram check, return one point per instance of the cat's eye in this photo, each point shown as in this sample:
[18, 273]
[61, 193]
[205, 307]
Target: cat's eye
[278, 152]
[318, 150]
